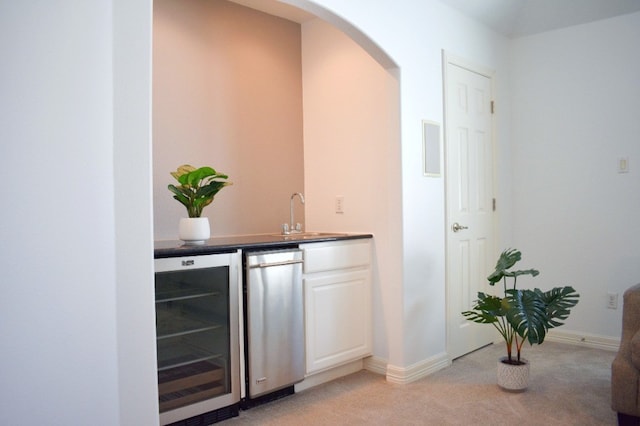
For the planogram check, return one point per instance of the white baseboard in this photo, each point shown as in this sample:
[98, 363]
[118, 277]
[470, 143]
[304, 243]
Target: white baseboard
[393, 374]
[404, 375]
[328, 375]
[376, 365]
[584, 339]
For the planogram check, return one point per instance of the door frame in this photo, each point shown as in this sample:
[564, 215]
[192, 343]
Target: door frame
[449, 58]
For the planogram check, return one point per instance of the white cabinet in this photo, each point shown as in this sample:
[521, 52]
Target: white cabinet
[338, 307]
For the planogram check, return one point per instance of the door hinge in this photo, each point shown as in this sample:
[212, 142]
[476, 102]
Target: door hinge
[493, 107]
[494, 204]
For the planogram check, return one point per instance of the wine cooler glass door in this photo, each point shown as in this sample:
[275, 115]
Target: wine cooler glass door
[196, 332]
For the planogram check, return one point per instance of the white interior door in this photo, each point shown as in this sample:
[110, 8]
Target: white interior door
[469, 190]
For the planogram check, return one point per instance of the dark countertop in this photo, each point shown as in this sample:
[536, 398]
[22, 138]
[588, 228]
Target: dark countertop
[175, 248]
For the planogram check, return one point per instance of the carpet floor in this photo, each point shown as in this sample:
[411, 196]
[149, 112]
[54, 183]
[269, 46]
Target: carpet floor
[568, 385]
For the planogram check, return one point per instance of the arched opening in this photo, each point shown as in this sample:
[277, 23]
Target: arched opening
[134, 221]
[305, 10]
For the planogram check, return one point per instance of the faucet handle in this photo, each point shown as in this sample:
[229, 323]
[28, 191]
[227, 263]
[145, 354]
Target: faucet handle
[298, 227]
[285, 228]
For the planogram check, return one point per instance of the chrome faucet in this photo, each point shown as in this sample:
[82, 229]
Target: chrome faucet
[292, 227]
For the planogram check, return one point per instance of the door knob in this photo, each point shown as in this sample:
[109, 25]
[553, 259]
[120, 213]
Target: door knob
[457, 227]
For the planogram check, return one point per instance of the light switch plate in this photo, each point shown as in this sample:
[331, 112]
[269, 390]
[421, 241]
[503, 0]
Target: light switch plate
[623, 164]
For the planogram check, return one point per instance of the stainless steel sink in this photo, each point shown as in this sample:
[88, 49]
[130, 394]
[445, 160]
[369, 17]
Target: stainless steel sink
[308, 235]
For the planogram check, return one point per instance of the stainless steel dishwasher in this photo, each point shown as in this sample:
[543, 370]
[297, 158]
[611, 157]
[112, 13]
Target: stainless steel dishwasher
[274, 321]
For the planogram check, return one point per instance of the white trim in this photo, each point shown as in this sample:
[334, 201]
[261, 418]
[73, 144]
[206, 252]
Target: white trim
[402, 375]
[431, 148]
[376, 365]
[447, 59]
[584, 339]
[329, 375]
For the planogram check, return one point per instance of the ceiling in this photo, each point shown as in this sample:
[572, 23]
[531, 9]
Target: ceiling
[512, 18]
[283, 10]
[515, 18]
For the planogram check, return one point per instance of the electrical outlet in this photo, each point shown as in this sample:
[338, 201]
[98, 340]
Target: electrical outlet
[339, 204]
[612, 300]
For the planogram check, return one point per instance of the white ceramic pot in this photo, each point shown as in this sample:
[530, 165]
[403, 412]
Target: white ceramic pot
[513, 377]
[194, 230]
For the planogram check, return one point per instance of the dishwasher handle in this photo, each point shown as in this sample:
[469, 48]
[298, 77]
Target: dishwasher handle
[282, 263]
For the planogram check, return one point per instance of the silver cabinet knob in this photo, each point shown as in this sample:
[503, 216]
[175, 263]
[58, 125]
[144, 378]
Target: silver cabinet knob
[457, 227]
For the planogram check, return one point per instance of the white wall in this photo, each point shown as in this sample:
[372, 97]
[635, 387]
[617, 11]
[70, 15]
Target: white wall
[77, 304]
[135, 300]
[58, 307]
[575, 111]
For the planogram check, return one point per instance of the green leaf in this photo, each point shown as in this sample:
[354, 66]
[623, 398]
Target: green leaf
[479, 317]
[507, 259]
[216, 175]
[195, 177]
[532, 272]
[558, 302]
[211, 189]
[179, 194]
[527, 315]
[486, 309]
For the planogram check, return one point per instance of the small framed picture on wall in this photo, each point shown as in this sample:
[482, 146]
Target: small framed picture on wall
[431, 148]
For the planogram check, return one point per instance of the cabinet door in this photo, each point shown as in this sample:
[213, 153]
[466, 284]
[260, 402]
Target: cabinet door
[338, 318]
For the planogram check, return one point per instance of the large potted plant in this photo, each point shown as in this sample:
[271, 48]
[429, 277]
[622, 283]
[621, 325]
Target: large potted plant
[196, 190]
[520, 315]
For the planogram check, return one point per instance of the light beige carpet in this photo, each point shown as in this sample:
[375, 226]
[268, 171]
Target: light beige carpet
[569, 385]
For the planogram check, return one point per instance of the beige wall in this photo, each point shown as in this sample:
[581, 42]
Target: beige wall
[352, 149]
[227, 92]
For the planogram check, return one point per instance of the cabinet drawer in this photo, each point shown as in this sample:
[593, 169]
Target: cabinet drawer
[320, 257]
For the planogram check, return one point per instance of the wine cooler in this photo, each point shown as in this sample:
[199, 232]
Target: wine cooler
[197, 338]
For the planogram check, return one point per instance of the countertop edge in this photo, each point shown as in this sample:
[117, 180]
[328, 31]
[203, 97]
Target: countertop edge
[219, 245]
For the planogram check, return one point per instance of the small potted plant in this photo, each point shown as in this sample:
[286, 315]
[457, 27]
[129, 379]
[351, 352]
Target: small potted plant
[196, 190]
[520, 315]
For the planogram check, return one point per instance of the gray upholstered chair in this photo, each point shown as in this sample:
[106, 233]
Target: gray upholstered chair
[625, 369]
